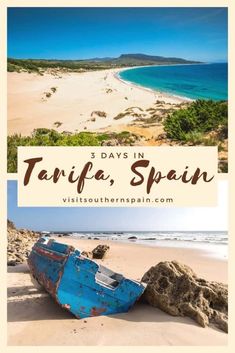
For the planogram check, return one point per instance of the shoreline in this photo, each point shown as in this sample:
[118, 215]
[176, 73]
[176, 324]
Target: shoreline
[182, 99]
[211, 249]
[168, 94]
[95, 101]
[31, 311]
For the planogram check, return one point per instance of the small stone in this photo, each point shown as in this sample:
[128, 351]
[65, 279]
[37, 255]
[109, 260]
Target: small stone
[87, 254]
[11, 263]
[100, 251]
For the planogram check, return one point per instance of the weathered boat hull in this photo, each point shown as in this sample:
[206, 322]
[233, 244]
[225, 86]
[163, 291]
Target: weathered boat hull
[79, 284]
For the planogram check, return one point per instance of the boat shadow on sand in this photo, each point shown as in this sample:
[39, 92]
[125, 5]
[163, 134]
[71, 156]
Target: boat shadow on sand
[28, 303]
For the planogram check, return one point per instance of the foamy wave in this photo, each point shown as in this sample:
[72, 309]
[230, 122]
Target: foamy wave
[201, 237]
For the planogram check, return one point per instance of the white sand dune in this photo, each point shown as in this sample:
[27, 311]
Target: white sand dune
[77, 96]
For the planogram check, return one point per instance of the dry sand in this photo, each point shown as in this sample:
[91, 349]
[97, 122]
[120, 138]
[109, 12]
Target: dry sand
[35, 319]
[77, 96]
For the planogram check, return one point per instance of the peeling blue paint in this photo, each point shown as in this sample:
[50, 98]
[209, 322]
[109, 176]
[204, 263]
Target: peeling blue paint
[79, 284]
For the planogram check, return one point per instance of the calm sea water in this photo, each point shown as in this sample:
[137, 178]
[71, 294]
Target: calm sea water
[202, 81]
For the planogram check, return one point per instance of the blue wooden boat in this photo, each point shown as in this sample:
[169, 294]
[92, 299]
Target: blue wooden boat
[79, 284]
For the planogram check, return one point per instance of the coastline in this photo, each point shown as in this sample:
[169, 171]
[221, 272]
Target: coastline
[98, 102]
[165, 90]
[163, 94]
[31, 311]
[218, 251]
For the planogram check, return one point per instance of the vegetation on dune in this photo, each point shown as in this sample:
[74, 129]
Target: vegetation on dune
[53, 89]
[46, 137]
[124, 60]
[18, 65]
[223, 167]
[50, 137]
[39, 66]
[195, 122]
[198, 123]
[201, 123]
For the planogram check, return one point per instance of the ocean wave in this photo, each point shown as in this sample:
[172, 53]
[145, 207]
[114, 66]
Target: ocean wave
[154, 237]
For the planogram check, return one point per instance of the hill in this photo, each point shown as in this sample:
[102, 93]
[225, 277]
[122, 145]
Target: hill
[152, 59]
[124, 60]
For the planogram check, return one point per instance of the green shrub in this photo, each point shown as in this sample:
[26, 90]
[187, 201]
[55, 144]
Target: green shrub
[124, 134]
[212, 141]
[50, 137]
[46, 137]
[223, 167]
[17, 65]
[201, 116]
[195, 138]
[10, 67]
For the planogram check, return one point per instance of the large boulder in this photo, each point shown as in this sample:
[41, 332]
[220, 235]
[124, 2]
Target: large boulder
[176, 289]
[100, 251]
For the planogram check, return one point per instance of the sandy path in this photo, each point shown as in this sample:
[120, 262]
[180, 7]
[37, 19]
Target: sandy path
[34, 318]
[77, 96]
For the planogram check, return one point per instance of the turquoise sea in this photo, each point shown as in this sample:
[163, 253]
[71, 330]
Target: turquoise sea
[198, 81]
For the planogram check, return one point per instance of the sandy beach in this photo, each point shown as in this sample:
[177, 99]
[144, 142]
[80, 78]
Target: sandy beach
[35, 319]
[73, 100]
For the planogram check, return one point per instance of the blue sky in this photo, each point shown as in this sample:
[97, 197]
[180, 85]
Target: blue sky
[118, 219]
[78, 33]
